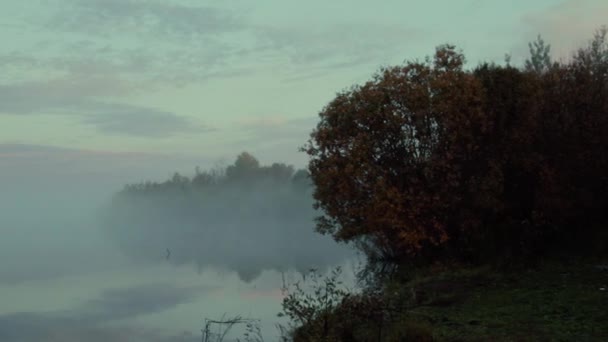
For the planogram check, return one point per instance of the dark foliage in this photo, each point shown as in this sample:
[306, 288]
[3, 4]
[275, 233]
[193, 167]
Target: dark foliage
[429, 161]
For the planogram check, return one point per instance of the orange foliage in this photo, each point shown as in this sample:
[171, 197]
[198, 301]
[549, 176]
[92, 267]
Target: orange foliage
[428, 158]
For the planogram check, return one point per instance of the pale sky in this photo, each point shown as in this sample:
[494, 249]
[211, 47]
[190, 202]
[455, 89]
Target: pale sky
[209, 79]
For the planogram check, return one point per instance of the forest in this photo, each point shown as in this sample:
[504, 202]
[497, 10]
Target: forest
[478, 196]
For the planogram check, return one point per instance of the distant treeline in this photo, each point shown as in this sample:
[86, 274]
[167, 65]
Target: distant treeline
[244, 217]
[245, 170]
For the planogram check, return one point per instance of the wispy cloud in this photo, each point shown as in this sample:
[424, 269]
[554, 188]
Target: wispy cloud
[338, 46]
[273, 137]
[83, 98]
[159, 41]
[56, 94]
[142, 41]
[567, 25]
[143, 17]
[38, 151]
[123, 119]
[274, 129]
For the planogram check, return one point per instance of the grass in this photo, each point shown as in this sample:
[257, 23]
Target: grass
[556, 301]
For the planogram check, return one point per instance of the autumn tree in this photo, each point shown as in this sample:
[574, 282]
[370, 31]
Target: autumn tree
[431, 160]
[390, 158]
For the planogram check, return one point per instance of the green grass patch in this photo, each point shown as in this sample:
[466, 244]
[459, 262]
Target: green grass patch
[552, 302]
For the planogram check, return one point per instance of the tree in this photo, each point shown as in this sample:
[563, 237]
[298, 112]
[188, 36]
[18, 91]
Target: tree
[540, 58]
[575, 114]
[595, 56]
[245, 166]
[388, 158]
[428, 160]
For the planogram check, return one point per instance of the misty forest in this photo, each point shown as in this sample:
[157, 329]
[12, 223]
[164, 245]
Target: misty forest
[441, 198]
[224, 218]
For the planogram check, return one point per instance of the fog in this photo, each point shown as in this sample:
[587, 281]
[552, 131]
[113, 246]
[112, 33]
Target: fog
[66, 275]
[243, 227]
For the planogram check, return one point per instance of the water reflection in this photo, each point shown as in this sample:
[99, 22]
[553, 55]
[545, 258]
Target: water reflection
[61, 279]
[131, 302]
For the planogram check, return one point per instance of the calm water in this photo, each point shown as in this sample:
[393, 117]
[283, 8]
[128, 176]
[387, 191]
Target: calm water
[61, 280]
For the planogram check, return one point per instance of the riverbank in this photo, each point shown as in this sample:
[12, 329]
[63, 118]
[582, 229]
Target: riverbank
[554, 301]
[563, 300]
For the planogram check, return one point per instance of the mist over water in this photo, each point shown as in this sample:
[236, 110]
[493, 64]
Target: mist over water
[247, 228]
[66, 275]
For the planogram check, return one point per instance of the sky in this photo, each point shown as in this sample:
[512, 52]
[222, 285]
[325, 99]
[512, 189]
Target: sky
[205, 80]
[98, 93]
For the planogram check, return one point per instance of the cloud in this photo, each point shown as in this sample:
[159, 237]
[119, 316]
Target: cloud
[274, 130]
[37, 151]
[143, 17]
[566, 26]
[142, 41]
[122, 119]
[78, 96]
[161, 42]
[263, 125]
[93, 320]
[339, 46]
[143, 65]
[222, 30]
[273, 137]
[66, 93]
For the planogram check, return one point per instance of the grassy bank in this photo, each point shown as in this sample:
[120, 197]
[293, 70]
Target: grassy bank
[555, 301]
